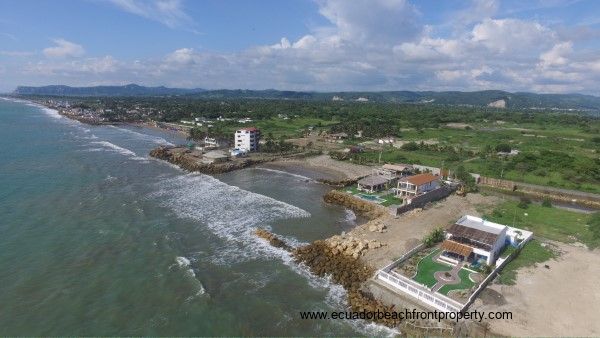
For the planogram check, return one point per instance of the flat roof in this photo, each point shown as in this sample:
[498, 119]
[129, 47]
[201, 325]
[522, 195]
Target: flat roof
[481, 224]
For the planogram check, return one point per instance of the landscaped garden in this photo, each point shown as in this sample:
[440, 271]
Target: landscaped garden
[426, 269]
[465, 283]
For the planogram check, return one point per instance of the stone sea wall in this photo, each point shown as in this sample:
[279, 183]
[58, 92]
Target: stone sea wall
[337, 258]
[361, 207]
[185, 160]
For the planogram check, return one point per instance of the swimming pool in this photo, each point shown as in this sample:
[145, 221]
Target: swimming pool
[371, 198]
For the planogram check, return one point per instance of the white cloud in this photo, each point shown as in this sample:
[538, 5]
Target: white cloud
[168, 12]
[372, 21]
[64, 48]
[367, 45]
[511, 35]
[557, 56]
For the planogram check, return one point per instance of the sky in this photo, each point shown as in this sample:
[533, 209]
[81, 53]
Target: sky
[545, 46]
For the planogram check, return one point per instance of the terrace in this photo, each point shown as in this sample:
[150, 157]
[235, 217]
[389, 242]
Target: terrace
[384, 198]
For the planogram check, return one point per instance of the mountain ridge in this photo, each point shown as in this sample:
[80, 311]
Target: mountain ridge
[475, 98]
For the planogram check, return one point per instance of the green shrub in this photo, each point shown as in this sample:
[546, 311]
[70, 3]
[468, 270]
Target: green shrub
[434, 237]
[547, 203]
[524, 203]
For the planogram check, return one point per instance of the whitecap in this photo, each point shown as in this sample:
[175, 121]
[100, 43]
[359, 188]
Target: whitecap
[120, 150]
[146, 137]
[301, 177]
[231, 213]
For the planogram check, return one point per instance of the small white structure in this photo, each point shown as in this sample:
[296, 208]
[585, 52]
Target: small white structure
[210, 142]
[247, 139]
[215, 156]
[417, 184]
[236, 152]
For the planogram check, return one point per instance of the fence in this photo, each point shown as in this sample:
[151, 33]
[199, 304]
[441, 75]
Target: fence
[421, 200]
[495, 272]
[414, 289]
[419, 292]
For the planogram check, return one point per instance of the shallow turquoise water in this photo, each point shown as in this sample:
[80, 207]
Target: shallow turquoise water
[98, 239]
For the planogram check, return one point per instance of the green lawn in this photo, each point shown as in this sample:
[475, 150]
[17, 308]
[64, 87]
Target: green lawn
[530, 255]
[551, 223]
[390, 199]
[465, 283]
[427, 267]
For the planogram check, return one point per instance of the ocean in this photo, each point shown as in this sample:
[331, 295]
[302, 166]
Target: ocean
[96, 238]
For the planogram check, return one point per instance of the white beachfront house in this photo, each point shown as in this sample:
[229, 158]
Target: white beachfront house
[476, 240]
[417, 184]
[247, 139]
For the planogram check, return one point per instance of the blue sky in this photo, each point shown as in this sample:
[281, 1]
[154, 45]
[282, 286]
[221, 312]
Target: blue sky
[540, 46]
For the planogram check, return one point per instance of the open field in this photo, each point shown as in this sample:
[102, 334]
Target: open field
[533, 253]
[555, 155]
[545, 222]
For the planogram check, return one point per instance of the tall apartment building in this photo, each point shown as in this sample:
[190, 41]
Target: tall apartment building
[247, 139]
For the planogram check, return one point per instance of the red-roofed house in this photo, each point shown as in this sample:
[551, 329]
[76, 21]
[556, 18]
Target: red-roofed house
[417, 184]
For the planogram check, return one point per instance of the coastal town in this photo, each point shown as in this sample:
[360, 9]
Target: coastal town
[305, 168]
[428, 242]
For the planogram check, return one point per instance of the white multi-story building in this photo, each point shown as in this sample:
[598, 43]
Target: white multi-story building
[247, 139]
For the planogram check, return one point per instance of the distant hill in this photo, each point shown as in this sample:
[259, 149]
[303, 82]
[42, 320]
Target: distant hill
[127, 90]
[493, 98]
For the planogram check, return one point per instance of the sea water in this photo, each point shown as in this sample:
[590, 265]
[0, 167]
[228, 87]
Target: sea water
[96, 238]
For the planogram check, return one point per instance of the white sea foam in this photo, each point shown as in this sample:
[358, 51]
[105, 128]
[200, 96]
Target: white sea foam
[182, 262]
[115, 148]
[146, 137]
[233, 214]
[301, 177]
[185, 263]
[228, 211]
[349, 216]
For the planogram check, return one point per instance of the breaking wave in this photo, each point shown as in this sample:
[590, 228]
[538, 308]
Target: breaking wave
[145, 137]
[300, 177]
[229, 212]
[115, 148]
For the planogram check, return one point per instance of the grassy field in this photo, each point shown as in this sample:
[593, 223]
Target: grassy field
[465, 283]
[551, 223]
[427, 267]
[533, 253]
[469, 144]
[290, 128]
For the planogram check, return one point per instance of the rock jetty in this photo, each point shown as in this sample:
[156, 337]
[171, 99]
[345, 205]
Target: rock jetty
[272, 239]
[338, 257]
[185, 159]
[361, 207]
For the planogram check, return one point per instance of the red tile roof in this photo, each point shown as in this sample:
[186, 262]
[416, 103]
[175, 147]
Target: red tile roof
[249, 129]
[421, 179]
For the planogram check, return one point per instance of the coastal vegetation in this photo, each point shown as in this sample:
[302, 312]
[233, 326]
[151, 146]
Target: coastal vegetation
[544, 147]
[550, 223]
[533, 253]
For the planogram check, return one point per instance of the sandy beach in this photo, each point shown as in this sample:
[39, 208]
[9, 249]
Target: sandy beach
[563, 300]
[322, 167]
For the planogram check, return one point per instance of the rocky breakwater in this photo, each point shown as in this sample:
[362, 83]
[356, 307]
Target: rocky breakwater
[361, 207]
[339, 258]
[190, 161]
